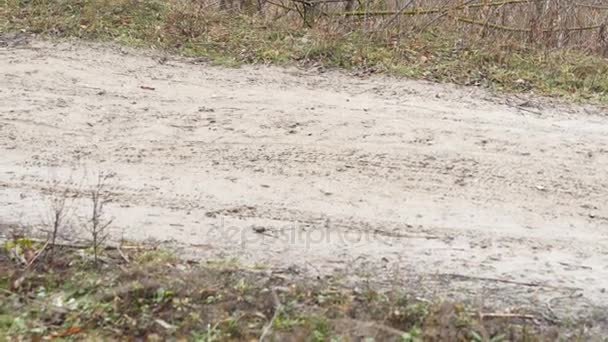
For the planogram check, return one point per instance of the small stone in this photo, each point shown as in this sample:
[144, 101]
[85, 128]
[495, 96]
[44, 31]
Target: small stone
[259, 229]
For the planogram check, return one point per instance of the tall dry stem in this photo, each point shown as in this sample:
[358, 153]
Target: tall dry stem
[99, 223]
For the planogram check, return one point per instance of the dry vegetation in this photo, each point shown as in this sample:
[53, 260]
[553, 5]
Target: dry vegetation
[51, 289]
[551, 47]
[138, 292]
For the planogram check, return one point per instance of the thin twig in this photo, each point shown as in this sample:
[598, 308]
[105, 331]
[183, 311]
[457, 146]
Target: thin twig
[519, 29]
[277, 310]
[281, 6]
[505, 315]
[466, 277]
[491, 25]
[123, 255]
[440, 16]
[401, 10]
[436, 10]
[29, 265]
[7, 291]
[600, 7]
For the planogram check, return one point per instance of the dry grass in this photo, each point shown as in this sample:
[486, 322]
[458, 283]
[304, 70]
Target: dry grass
[157, 297]
[551, 47]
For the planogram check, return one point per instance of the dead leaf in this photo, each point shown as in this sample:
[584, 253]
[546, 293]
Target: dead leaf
[71, 331]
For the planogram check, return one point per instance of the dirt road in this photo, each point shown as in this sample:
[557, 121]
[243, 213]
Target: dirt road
[450, 189]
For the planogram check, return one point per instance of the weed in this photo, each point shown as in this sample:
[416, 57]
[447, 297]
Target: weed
[211, 334]
[98, 223]
[60, 207]
[242, 287]
[156, 258]
[321, 328]
[414, 335]
[287, 322]
[232, 328]
[225, 264]
[214, 299]
[163, 295]
[22, 243]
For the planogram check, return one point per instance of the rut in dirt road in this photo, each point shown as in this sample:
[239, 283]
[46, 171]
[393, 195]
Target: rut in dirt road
[465, 194]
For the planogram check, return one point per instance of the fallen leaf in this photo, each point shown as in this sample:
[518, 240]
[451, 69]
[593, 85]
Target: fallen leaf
[71, 331]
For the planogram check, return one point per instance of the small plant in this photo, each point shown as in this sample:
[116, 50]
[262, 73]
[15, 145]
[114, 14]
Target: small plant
[414, 335]
[98, 223]
[477, 337]
[162, 295]
[321, 328]
[156, 258]
[232, 328]
[286, 322]
[60, 213]
[211, 334]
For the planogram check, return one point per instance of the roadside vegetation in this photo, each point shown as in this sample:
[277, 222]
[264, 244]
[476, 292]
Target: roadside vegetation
[547, 47]
[143, 292]
[105, 290]
[99, 289]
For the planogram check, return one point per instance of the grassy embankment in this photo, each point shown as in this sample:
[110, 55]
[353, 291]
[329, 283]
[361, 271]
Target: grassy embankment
[59, 292]
[512, 46]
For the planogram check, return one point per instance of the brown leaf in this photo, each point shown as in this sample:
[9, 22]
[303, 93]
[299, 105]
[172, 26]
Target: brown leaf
[69, 332]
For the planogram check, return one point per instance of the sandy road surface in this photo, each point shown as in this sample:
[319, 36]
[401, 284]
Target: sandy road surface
[451, 189]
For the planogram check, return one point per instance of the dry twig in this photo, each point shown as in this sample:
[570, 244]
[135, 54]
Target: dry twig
[467, 277]
[278, 307]
[505, 315]
[46, 244]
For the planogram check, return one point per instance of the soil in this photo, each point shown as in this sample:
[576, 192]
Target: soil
[497, 200]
